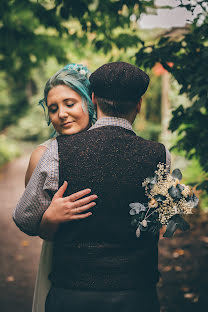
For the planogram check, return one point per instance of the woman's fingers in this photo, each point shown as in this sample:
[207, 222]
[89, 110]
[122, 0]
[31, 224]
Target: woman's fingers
[83, 208]
[61, 190]
[81, 216]
[84, 201]
[78, 195]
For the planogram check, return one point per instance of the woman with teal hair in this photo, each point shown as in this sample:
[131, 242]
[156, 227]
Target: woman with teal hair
[67, 99]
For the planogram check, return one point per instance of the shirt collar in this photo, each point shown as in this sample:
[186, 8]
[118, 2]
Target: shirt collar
[112, 121]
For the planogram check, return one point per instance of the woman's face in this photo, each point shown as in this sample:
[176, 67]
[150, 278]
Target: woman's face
[65, 110]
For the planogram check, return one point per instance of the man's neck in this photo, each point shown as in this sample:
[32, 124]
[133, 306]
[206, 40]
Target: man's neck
[100, 114]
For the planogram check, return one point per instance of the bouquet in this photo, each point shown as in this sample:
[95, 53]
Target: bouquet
[168, 202]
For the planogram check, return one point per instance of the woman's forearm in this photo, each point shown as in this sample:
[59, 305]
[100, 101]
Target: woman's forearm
[47, 228]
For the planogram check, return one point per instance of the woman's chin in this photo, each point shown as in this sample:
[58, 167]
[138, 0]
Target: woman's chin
[71, 131]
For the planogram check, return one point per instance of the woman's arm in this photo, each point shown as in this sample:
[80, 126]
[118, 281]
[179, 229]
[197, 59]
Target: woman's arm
[61, 209]
[34, 159]
[65, 209]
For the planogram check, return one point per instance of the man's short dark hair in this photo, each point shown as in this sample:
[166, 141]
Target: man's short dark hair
[116, 108]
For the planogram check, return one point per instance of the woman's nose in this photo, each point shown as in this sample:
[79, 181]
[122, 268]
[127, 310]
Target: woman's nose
[62, 114]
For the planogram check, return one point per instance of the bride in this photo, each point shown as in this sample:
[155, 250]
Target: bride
[66, 97]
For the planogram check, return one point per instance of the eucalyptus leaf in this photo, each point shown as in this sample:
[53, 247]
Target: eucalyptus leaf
[176, 174]
[159, 197]
[141, 215]
[175, 222]
[194, 200]
[150, 186]
[174, 192]
[154, 228]
[180, 187]
[171, 228]
[132, 212]
[137, 206]
[152, 181]
[134, 222]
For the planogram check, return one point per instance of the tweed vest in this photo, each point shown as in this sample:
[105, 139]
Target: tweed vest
[102, 252]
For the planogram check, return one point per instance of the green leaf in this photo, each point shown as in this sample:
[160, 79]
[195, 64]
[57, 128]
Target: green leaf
[176, 174]
[176, 222]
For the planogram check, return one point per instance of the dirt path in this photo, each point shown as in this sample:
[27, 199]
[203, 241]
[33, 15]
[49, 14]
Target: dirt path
[19, 252]
[182, 260]
[183, 263]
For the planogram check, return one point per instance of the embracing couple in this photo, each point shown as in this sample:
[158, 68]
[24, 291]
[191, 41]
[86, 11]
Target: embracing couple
[79, 186]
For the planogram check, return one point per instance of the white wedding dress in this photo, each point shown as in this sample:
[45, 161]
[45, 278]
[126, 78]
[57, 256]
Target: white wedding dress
[42, 283]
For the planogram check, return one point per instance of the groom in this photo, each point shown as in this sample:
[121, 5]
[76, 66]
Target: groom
[98, 263]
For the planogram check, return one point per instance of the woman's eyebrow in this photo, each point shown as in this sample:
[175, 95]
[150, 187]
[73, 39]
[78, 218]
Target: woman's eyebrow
[69, 99]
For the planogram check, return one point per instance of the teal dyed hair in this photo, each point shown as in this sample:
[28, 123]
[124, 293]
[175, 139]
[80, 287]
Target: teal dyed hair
[76, 77]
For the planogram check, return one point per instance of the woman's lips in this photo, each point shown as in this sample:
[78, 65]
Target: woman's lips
[67, 124]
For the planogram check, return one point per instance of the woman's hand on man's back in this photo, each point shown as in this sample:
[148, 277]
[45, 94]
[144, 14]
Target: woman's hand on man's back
[65, 209]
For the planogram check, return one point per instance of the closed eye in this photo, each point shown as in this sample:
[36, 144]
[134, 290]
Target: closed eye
[70, 105]
[52, 108]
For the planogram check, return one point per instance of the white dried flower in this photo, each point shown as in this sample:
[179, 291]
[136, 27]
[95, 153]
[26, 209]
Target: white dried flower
[82, 72]
[144, 223]
[138, 232]
[187, 190]
[160, 189]
[153, 203]
[175, 210]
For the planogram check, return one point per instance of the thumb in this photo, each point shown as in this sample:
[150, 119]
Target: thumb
[61, 190]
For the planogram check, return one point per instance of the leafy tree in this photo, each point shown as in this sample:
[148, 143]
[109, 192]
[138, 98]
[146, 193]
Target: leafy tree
[188, 53]
[28, 36]
[113, 23]
[30, 31]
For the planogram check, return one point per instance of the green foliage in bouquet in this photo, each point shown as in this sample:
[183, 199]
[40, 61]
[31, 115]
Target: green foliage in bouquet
[168, 202]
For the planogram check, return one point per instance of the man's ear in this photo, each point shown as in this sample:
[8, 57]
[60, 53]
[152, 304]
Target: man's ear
[93, 99]
[138, 108]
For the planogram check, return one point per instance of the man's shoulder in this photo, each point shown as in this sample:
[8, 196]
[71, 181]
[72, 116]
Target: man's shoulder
[148, 142]
[71, 137]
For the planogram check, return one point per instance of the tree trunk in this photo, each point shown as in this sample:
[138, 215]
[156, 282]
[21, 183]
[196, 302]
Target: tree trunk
[165, 110]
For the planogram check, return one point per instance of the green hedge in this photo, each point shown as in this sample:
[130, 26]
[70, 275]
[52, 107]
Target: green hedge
[8, 150]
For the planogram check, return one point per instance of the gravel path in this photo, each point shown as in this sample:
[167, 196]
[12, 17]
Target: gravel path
[19, 252]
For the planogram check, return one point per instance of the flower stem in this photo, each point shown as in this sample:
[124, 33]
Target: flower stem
[151, 213]
[146, 213]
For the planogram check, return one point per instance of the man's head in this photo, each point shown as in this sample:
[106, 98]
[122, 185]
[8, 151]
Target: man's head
[117, 89]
